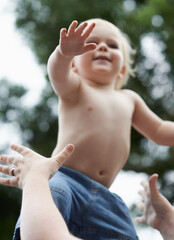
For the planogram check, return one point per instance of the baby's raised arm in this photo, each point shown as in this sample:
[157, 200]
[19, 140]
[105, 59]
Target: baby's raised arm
[157, 211]
[72, 43]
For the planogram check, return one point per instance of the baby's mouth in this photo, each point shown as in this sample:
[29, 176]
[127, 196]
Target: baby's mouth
[104, 58]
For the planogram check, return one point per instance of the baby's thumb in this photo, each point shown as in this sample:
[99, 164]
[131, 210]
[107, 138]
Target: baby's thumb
[62, 156]
[90, 47]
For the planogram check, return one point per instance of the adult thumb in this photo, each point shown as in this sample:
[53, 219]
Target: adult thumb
[153, 186]
[62, 156]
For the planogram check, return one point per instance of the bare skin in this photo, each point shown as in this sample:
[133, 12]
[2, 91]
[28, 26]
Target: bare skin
[157, 211]
[95, 117]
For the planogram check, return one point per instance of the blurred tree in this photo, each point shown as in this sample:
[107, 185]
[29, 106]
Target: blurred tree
[149, 24]
[35, 124]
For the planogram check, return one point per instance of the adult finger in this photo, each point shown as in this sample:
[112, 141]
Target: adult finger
[145, 185]
[11, 182]
[20, 149]
[5, 169]
[142, 193]
[10, 159]
[140, 219]
[140, 205]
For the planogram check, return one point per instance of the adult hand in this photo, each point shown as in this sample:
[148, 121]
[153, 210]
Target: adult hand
[30, 163]
[157, 211]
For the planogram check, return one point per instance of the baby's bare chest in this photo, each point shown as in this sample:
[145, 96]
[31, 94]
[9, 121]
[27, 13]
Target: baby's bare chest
[96, 110]
[111, 107]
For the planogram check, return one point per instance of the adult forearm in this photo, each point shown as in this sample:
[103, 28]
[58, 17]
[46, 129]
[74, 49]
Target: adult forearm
[40, 218]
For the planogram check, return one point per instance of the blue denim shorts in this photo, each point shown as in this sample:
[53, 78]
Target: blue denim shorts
[90, 210]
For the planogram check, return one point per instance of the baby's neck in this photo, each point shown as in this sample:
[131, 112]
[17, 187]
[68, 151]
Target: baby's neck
[103, 86]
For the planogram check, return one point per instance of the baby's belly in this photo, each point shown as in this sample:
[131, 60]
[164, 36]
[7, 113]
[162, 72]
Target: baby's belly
[103, 176]
[99, 162]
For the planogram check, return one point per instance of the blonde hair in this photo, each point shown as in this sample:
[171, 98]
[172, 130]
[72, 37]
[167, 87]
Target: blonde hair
[128, 53]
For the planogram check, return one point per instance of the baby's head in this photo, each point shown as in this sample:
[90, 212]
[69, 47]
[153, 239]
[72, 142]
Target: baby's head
[126, 49]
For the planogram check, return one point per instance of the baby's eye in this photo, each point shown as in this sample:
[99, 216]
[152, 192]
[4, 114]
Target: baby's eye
[113, 45]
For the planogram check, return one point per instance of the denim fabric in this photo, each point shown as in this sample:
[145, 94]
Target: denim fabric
[90, 210]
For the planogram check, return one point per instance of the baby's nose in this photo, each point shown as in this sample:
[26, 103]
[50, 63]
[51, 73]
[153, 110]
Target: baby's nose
[102, 46]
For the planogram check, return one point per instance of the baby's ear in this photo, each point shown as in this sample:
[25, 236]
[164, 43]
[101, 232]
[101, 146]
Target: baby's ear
[122, 72]
[74, 68]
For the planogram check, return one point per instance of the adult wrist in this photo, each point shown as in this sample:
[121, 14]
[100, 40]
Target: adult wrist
[167, 226]
[34, 178]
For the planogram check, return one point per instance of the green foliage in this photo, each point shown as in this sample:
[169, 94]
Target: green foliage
[39, 125]
[41, 20]
[10, 99]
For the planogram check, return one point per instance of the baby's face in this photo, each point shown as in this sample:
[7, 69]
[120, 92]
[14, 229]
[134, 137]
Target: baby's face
[107, 58]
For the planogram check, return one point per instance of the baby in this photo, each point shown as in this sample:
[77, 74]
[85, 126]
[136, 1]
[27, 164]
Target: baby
[97, 118]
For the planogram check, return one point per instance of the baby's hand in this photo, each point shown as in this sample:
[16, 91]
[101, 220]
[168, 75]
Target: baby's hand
[31, 163]
[73, 41]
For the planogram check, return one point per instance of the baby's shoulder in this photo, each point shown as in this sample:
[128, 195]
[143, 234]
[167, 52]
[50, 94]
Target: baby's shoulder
[130, 94]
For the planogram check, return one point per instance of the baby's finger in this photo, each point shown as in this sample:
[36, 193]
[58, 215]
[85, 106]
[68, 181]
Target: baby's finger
[81, 27]
[72, 27]
[11, 182]
[63, 155]
[88, 30]
[63, 33]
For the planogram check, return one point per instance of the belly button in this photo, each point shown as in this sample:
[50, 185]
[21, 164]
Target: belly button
[101, 172]
[90, 108]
